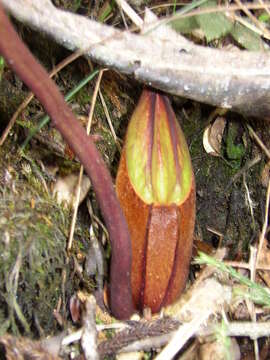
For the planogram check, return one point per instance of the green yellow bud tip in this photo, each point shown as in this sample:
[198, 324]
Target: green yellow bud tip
[158, 161]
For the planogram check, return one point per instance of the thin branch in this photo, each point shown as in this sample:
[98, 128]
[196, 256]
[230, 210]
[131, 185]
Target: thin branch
[140, 335]
[234, 80]
[242, 328]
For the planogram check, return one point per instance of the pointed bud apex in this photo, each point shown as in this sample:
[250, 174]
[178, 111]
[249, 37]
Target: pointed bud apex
[158, 160]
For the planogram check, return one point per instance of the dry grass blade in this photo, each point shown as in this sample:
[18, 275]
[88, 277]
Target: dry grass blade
[266, 8]
[106, 111]
[259, 141]
[30, 96]
[243, 7]
[248, 25]
[262, 236]
[252, 263]
[78, 191]
[130, 13]
[243, 265]
[210, 10]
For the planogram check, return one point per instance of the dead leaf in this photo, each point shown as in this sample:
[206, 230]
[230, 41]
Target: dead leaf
[212, 136]
[65, 186]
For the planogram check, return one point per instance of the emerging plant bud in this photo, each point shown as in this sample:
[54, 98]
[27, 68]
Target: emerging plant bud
[156, 189]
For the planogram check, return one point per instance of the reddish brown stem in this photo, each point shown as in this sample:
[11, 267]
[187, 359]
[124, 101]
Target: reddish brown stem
[35, 77]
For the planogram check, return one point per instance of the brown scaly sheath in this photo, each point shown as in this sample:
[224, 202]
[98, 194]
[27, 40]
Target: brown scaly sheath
[35, 77]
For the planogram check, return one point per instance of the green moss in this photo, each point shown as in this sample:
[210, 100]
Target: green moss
[234, 147]
[84, 96]
[2, 64]
[32, 249]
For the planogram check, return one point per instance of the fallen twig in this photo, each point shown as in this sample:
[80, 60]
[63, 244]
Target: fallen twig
[207, 299]
[238, 80]
[243, 328]
[89, 333]
[140, 336]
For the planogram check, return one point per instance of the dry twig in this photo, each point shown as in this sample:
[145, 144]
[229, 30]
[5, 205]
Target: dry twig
[242, 328]
[140, 336]
[235, 80]
[89, 333]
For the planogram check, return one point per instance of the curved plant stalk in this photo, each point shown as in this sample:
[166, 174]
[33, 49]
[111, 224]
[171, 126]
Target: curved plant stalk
[19, 58]
[156, 189]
